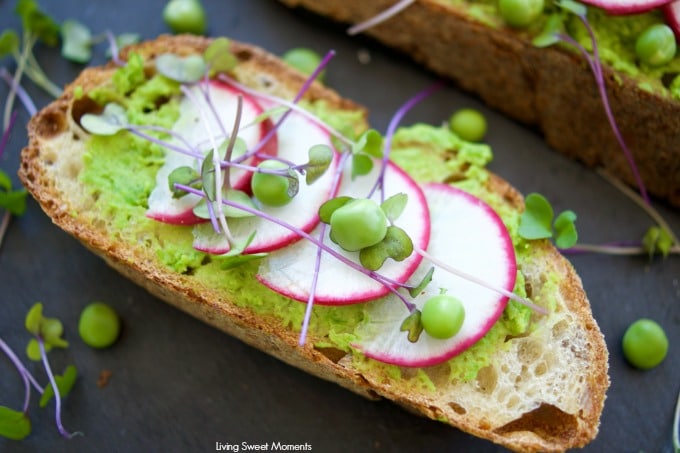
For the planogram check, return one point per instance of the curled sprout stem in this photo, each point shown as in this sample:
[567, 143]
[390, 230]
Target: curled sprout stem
[596, 67]
[216, 162]
[392, 127]
[6, 216]
[53, 383]
[20, 92]
[381, 17]
[479, 281]
[649, 209]
[26, 376]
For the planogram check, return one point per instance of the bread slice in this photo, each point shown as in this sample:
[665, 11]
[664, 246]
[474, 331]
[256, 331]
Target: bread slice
[551, 88]
[541, 390]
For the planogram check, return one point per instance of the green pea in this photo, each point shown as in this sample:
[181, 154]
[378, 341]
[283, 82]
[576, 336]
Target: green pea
[358, 224]
[185, 16]
[442, 316]
[468, 124]
[656, 45]
[269, 189]
[645, 344]
[304, 60]
[520, 13]
[99, 325]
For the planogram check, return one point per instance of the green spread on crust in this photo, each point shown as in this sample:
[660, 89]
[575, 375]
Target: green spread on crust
[615, 36]
[120, 171]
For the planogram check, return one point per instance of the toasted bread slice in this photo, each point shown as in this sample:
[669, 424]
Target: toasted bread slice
[541, 390]
[552, 89]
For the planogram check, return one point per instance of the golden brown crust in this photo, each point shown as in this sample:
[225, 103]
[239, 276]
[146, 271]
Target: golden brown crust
[550, 89]
[49, 170]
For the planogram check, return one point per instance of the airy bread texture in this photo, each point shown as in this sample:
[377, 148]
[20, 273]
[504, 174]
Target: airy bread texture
[541, 391]
[551, 88]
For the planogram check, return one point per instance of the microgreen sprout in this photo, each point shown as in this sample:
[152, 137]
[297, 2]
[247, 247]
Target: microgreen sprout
[12, 201]
[47, 333]
[538, 222]
[553, 34]
[36, 27]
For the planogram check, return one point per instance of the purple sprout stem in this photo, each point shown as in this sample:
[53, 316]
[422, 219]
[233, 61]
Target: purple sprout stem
[317, 262]
[115, 52]
[596, 67]
[305, 86]
[20, 92]
[53, 383]
[26, 376]
[283, 102]
[392, 127]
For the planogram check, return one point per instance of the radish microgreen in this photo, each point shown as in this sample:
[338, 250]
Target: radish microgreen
[188, 69]
[538, 222]
[12, 201]
[37, 26]
[76, 41]
[47, 333]
[368, 146]
[218, 57]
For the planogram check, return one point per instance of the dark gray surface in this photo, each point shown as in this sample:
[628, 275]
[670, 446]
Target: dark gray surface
[178, 385]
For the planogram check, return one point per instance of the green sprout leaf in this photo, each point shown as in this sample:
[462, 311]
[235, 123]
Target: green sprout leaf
[536, 220]
[37, 22]
[320, 157]
[124, 40]
[112, 120]
[219, 57]
[550, 34]
[361, 165]
[235, 256]
[191, 68]
[33, 350]
[76, 41]
[565, 230]
[416, 290]
[208, 176]
[9, 43]
[64, 385]
[576, 8]
[328, 208]
[396, 245]
[184, 175]
[14, 425]
[413, 326]
[394, 206]
[34, 318]
[293, 183]
[370, 142]
[12, 200]
[657, 240]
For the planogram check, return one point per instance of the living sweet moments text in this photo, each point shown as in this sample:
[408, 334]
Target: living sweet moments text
[266, 446]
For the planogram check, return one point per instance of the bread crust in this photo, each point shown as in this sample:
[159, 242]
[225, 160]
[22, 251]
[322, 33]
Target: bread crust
[49, 164]
[547, 88]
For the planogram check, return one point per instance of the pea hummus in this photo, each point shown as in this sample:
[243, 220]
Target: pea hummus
[427, 152]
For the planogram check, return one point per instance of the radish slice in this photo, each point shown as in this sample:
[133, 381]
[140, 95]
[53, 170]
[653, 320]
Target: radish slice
[623, 7]
[296, 135]
[290, 271]
[671, 12]
[468, 235]
[193, 125]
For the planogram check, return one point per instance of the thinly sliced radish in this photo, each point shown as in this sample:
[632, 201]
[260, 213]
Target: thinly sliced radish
[296, 135]
[196, 119]
[468, 235]
[290, 271]
[671, 12]
[623, 7]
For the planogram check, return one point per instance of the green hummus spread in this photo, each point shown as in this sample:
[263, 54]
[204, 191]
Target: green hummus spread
[120, 171]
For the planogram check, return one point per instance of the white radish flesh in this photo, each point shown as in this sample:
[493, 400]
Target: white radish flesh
[467, 235]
